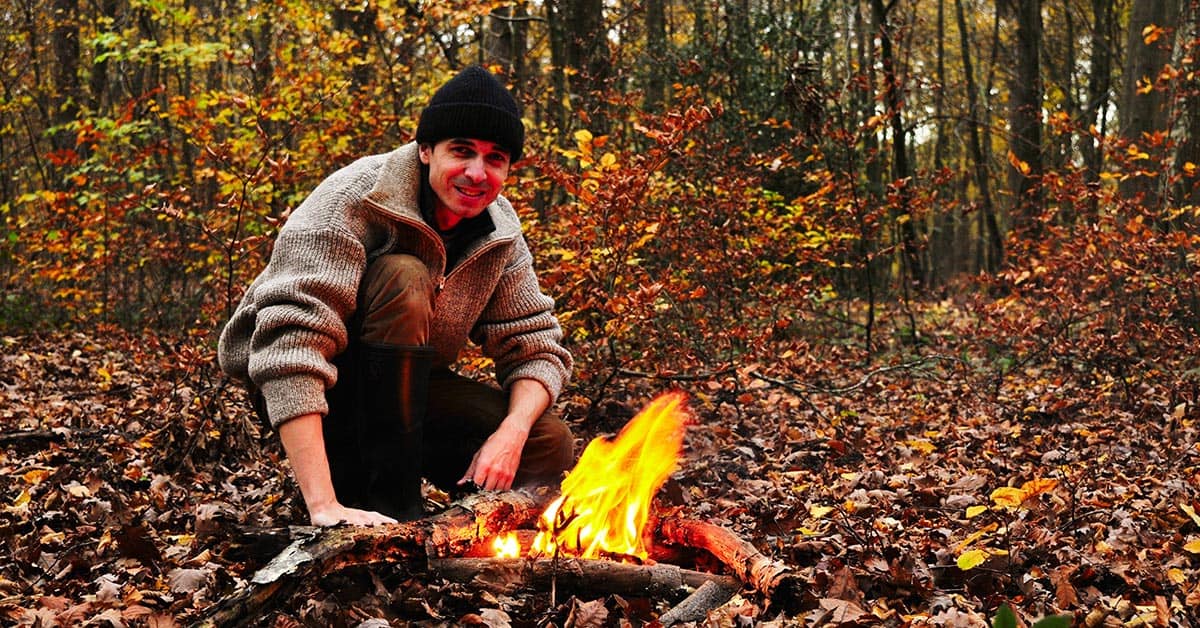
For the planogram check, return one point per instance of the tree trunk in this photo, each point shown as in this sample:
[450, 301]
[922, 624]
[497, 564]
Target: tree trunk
[992, 242]
[1025, 118]
[64, 104]
[1187, 188]
[359, 22]
[1143, 108]
[579, 46]
[504, 41]
[901, 170]
[656, 55]
[1104, 22]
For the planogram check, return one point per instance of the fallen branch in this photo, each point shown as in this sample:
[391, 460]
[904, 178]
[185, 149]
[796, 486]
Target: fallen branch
[36, 436]
[318, 551]
[773, 579]
[700, 603]
[505, 575]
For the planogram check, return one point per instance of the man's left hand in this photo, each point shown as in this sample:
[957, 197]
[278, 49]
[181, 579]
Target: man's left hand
[496, 463]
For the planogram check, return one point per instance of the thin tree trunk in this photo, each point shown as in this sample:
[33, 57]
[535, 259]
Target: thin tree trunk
[994, 246]
[1025, 118]
[901, 171]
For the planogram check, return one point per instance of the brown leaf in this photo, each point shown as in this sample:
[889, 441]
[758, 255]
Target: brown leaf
[591, 614]
[1064, 591]
[841, 611]
[186, 580]
[134, 541]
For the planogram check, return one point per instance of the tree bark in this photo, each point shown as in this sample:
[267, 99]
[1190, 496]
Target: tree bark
[1143, 108]
[993, 244]
[901, 170]
[1025, 117]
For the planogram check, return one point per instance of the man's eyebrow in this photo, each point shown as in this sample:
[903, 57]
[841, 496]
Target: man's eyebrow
[468, 142]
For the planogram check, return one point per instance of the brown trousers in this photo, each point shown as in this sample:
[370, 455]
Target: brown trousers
[396, 307]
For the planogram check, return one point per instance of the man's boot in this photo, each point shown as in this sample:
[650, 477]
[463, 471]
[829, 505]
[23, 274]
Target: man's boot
[393, 389]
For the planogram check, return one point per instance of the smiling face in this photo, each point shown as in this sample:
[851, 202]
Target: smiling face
[466, 176]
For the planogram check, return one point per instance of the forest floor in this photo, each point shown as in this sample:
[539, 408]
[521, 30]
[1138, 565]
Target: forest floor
[916, 489]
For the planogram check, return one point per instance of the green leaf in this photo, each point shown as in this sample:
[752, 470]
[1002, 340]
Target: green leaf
[1005, 618]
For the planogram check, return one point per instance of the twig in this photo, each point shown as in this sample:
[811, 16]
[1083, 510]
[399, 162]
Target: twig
[694, 377]
[808, 390]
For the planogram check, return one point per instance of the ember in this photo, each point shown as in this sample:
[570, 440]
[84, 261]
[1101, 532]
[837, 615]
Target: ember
[606, 499]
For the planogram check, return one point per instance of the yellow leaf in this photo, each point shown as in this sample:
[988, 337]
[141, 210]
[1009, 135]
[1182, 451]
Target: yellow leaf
[1151, 33]
[1016, 163]
[1176, 576]
[978, 534]
[36, 476]
[817, 512]
[922, 446]
[975, 511]
[1008, 497]
[583, 138]
[971, 559]
[1191, 512]
[1038, 486]
[608, 160]
[1192, 546]
[21, 499]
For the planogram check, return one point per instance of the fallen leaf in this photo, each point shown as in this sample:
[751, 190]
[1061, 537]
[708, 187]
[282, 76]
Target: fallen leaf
[971, 559]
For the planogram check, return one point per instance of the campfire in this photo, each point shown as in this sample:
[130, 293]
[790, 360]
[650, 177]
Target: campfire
[593, 536]
[605, 502]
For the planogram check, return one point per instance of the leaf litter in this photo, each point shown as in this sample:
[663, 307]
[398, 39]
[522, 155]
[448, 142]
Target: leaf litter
[139, 489]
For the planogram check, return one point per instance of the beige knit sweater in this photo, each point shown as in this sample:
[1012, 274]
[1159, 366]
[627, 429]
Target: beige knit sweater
[292, 320]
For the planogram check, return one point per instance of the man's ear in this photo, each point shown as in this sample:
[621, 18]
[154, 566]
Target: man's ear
[425, 151]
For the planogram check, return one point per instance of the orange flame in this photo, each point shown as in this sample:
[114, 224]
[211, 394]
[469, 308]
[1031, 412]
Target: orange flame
[507, 546]
[605, 501]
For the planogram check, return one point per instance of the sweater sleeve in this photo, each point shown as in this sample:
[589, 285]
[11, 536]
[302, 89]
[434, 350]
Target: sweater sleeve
[302, 301]
[519, 331]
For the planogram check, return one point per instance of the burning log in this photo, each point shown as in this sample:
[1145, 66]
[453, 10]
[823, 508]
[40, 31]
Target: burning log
[774, 580]
[315, 552]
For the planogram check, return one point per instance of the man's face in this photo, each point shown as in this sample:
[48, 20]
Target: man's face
[466, 175]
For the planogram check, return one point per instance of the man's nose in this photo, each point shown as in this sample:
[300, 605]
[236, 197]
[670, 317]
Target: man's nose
[475, 169]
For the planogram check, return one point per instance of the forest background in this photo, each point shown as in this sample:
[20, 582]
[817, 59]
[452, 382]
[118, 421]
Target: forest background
[849, 224]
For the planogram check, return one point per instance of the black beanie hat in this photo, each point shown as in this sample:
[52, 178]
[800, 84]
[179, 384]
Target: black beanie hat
[473, 105]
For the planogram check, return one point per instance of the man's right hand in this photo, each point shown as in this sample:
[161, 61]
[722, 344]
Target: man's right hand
[335, 514]
[304, 444]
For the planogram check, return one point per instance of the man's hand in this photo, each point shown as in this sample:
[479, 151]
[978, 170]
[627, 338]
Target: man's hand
[335, 513]
[495, 464]
[304, 444]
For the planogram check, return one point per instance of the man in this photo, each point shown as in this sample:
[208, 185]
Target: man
[374, 286]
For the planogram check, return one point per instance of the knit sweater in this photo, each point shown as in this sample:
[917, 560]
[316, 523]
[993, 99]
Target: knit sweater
[292, 320]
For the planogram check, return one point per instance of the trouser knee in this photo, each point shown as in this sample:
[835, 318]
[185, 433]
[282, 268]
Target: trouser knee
[396, 301]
